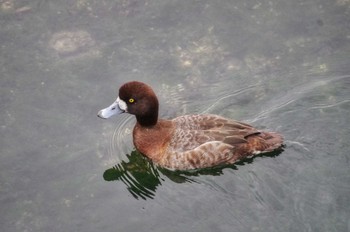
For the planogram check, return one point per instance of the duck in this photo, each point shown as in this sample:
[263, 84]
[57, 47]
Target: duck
[187, 142]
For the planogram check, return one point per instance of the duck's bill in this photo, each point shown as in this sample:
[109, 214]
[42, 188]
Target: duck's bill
[111, 110]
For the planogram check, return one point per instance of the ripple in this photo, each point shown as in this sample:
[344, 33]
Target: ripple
[121, 141]
[228, 96]
[297, 93]
[330, 105]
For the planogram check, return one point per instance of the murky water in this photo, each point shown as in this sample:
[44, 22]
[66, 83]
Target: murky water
[279, 65]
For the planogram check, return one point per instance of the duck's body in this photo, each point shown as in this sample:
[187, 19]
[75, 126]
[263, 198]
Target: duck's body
[190, 141]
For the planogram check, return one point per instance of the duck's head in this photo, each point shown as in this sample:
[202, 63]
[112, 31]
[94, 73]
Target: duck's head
[135, 98]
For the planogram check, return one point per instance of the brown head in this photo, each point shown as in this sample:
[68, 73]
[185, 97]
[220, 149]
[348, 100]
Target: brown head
[135, 98]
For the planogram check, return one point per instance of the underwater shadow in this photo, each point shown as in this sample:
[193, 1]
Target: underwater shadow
[142, 177]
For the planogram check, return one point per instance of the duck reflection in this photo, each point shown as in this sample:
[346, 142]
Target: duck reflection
[138, 174]
[142, 177]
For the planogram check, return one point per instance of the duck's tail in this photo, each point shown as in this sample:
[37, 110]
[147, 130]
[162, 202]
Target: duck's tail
[258, 143]
[263, 142]
[273, 141]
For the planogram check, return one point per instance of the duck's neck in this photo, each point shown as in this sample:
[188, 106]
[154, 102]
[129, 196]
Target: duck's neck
[147, 120]
[147, 113]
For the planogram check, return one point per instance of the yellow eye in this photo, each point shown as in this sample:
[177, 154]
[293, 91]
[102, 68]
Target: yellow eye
[131, 100]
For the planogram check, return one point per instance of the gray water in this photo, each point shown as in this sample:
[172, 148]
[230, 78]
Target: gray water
[279, 65]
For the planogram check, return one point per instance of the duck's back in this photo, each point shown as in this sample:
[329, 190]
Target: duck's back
[200, 141]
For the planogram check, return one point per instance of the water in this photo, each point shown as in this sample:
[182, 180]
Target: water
[279, 65]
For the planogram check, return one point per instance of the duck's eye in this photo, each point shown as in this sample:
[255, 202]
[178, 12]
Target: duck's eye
[131, 100]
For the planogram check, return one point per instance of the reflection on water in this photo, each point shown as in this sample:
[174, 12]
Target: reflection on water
[142, 177]
[138, 174]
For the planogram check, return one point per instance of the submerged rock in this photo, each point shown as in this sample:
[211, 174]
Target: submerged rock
[74, 45]
[69, 42]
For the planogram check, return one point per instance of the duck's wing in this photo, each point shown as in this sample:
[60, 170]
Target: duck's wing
[205, 140]
[214, 125]
[210, 121]
[194, 130]
[200, 141]
[192, 149]
[205, 155]
[185, 140]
